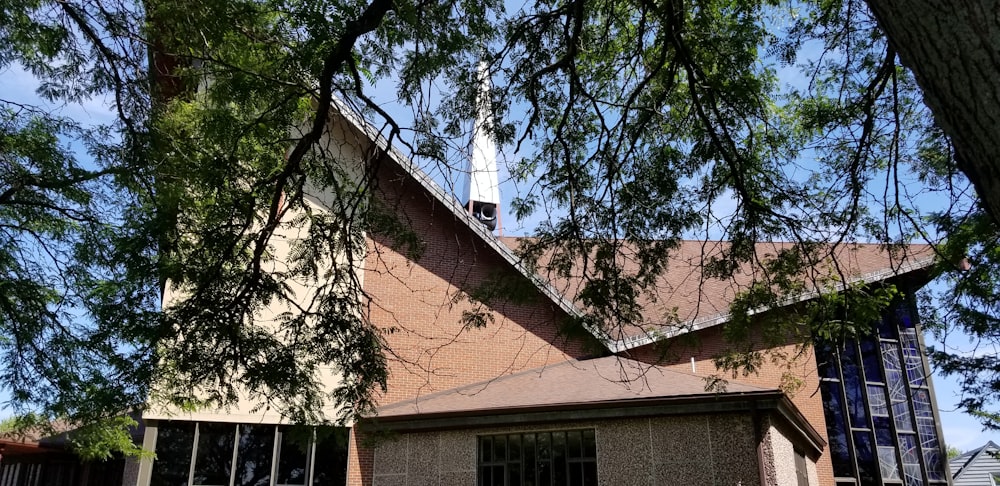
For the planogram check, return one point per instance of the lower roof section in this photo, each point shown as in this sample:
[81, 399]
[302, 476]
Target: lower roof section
[602, 388]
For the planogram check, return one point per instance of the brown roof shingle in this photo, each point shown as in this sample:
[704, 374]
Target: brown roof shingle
[608, 379]
[684, 298]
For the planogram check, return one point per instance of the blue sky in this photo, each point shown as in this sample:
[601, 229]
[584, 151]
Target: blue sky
[960, 430]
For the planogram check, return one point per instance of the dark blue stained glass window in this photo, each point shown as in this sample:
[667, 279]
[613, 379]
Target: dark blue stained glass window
[883, 431]
[934, 463]
[864, 450]
[870, 357]
[840, 452]
[880, 416]
[922, 404]
[904, 317]
[853, 383]
[887, 329]
[908, 449]
[911, 459]
[912, 475]
[826, 361]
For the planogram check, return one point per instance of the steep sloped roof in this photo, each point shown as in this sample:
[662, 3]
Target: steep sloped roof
[692, 301]
[683, 299]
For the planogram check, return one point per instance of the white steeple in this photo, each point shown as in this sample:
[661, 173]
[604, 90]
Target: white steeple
[483, 197]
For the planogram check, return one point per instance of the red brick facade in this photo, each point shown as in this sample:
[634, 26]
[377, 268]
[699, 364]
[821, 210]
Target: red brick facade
[420, 306]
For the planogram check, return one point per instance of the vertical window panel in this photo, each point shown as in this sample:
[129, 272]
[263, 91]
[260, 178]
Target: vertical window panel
[293, 459]
[877, 400]
[840, 452]
[870, 359]
[174, 443]
[912, 358]
[214, 461]
[864, 449]
[888, 464]
[331, 456]
[254, 455]
[853, 386]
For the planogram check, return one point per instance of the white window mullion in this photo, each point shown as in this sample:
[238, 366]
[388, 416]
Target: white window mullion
[194, 454]
[236, 450]
[275, 456]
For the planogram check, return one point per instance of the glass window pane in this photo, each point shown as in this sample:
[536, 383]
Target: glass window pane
[913, 358]
[331, 456]
[514, 448]
[912, 473]
[500, 448]
[836, 429]
[883, 432]
[865, 454]
[574, 444]
[293, 449]
[888, 464]
[513, 474]
[934, 463]
[486, 449]
[887, 328]
[870, 359]
[544, 445]
[901, 412]
[214, 461]
[908, 449]
[253, 459]
[877, 400]
[589, 443]
[893, 372]
[590, 473]
[853, 382]
[528, 451]
[174, 442]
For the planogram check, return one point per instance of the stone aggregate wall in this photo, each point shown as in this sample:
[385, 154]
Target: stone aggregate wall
[687, 450]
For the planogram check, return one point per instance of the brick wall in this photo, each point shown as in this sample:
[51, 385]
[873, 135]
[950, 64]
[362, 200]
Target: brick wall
[420, 306]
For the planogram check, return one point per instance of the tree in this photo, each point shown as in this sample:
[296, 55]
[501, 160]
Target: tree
[640, 123]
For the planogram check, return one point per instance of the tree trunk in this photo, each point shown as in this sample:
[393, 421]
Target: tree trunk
[953, 49]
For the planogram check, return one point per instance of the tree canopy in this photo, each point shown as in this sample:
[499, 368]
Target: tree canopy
[636, 123]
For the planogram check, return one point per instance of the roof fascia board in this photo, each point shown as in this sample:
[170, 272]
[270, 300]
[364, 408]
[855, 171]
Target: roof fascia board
[687, 405]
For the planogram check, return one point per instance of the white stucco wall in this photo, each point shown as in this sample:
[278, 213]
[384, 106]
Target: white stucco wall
[343, 148]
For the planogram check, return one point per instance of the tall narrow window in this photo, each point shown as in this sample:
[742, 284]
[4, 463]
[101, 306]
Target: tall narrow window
[879, 413]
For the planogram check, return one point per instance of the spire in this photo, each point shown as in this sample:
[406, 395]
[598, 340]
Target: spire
[483, 198]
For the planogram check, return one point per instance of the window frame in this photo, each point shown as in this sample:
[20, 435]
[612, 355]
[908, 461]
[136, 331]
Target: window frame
[277, 442]
[584, 461]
